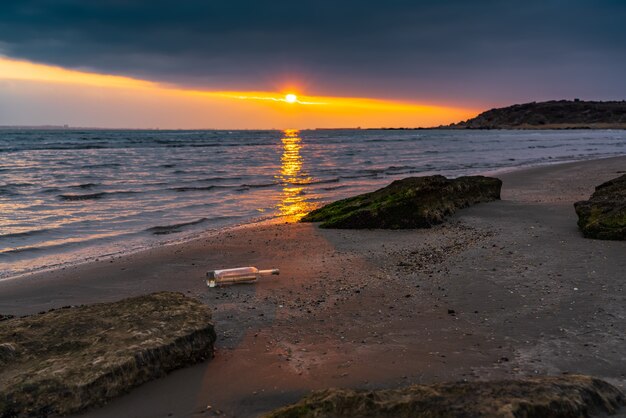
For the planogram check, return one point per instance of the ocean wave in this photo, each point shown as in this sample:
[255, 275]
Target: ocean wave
[192, 188]
[82, 196]
[92, 196]
[341, 186]
[7, 191]
[84, 186]
[375, 172]
[360, 175]
[398, 168]
[52, 246]
[312, 182]
[397, 139]
[196, 188]
[257, 185]
[10, 189]
[22, 184]
[102, 165]
[559, 145]
[172, 145]
[174, 228]
[72, 147]
[24, 233]
[19, 250]
[93, 146]
[220, 178]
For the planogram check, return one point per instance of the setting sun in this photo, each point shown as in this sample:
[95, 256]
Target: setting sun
[137, 103]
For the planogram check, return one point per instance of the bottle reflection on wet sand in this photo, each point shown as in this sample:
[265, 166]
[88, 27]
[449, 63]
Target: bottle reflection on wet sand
[292, 202]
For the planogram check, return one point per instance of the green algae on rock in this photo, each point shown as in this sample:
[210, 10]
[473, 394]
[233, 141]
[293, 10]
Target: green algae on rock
[414, 202]
[603, 216]
[565, 396]
[68, 359]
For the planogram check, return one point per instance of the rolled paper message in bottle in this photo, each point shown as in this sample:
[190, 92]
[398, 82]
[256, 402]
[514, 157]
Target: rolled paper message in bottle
[237, 275]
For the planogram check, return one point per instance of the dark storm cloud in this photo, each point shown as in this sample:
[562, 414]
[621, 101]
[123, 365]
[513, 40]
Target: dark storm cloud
[468, 51]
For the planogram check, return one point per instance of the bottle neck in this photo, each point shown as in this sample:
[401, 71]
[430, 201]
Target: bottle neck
[269, 272]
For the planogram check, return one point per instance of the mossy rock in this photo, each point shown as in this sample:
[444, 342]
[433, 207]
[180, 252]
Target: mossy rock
[558, 397]
[66, 360]
[414, 202]
[603, 216]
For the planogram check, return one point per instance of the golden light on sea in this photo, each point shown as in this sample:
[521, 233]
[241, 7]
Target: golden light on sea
[291, 98]
[293, 203]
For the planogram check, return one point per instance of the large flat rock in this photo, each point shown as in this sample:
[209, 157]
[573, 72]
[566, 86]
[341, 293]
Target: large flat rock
[566, 396]
[414, 202]
[68, 359]
[603, 216]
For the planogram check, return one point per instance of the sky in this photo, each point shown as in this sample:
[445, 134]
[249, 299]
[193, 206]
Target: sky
[229, 64]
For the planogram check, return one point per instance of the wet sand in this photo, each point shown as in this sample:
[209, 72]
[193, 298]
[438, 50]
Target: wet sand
[504, 289]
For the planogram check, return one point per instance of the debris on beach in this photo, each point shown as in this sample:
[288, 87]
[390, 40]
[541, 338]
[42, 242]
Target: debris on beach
[65, 360]
[565, 396]
[237, 275]
[603, 216]
[414, 202]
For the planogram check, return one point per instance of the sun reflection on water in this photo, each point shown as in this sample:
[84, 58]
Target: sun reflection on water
[293, 203]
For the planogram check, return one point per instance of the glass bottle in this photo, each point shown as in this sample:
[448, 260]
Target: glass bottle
[237, 275]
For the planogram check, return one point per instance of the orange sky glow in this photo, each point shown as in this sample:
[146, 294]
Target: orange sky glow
[42, 94]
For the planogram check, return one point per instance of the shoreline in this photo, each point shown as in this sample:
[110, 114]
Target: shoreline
[124, 253]
[267, 220]
[504, 289]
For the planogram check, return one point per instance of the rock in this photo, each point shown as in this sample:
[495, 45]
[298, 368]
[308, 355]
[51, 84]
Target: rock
[603, 216]
[414, 202]
[566, 396]
[66, 360]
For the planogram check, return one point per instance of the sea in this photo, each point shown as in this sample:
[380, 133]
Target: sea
[69, 196]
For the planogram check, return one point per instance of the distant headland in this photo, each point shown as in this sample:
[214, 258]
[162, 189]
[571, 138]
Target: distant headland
[554, 114]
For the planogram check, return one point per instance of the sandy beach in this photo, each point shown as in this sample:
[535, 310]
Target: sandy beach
[504, 289]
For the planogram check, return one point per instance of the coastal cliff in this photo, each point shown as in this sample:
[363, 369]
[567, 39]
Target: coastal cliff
[554, 114]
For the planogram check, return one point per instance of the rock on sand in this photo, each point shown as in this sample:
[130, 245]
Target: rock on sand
[68, 359]
[414, 202]
[603, 216]
[565, 396]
